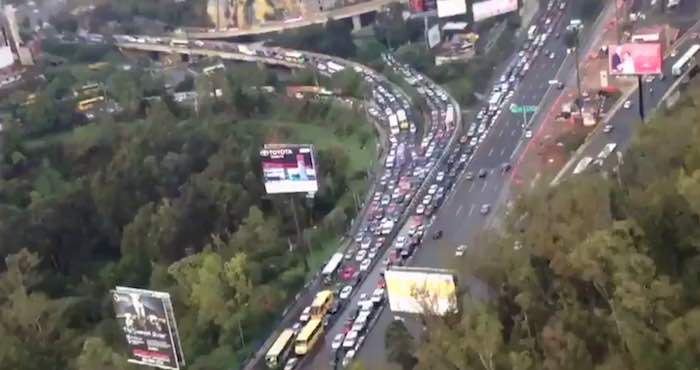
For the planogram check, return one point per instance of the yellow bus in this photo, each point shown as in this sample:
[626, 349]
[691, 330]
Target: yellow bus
[308, 336]
[88, 90]
[87, 104]
[321, 304]
[97, 66]
[280, 349]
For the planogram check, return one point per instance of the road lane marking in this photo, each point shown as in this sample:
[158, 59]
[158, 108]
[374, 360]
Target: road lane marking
[500, 133]
[514, 132]
[459, 210]
[490, 152]
[471, 186]
[471, 210]
[484, 186]
[503, 151]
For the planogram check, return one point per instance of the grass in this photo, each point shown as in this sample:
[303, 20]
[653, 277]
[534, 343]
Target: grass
[324, 137]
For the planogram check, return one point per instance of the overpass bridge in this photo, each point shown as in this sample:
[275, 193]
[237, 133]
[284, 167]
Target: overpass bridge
[351, 11]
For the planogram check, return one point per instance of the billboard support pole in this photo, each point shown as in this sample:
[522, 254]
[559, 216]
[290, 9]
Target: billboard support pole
[300, 238]
[578, 77]
[640, 91]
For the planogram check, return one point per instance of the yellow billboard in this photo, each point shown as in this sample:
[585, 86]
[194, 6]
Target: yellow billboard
[421, 290]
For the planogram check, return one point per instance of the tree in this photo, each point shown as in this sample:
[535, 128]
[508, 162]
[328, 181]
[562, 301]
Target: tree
[399, 345]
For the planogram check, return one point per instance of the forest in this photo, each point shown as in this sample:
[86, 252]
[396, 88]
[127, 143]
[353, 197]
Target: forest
[166, 198]
[596, 273]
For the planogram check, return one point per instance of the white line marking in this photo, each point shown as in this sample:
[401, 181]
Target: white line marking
[470, 187]
[503, 151]
[490, 152]
[459, 210]
[484, 186]
[500, 133]
[471, 210]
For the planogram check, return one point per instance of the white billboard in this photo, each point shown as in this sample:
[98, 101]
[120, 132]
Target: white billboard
[416, 290]
[288, 168]
[148, 323]
[433, 36]
[448, 8]
[491, 8]
[6, 57]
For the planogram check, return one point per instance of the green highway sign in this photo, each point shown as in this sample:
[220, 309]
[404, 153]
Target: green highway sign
[522, 108]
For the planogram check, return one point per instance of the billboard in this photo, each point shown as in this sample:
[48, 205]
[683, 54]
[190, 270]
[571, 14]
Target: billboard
[415, 290]
[433, 36]
[288, 168]
[634, 59]
[491, 8]
[147, 320]
[448, 8]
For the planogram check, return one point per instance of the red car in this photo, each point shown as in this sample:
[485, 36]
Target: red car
[347, 273]
[381, 284]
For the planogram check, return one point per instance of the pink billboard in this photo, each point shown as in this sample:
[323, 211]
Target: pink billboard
[635, 59]
[491, 8]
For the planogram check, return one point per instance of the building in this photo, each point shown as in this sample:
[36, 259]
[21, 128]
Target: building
[309, 7]
[9, 36]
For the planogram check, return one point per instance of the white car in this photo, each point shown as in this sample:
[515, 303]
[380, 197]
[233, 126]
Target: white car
[378, 296]
[459, 252]
[305, 315]
[364, 266]
[349, 356]
[427, 199]
[365, 243]
[350, 339]
[440, 176]
[432, 189]
[291, 363]
[627, 104]
[361, 255]
[400, 242]
[345, 292]
[607, 129]
[420, 209]
[528, 134]
[337, 341]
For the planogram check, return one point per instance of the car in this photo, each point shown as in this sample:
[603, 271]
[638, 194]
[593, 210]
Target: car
[552, 55]
[440, 176]
[305, 314]
[474, 141]
[528, 134]
[437, 235]
[420, 209]
[296, 328]
[485, 209]
[337, 341]
[505, 167]
[372, 253]
[482, 173]
[364, 266]
[427, 199]
[350, 339]
[361, 254]
[469, 176]
[385, 200]
[365, 243]
[291, 363]
[349, 356]
[345, 292]
[432, 189]
[400, 242]
[627, 104]
[334, 308]
[459, 252]
[463, 139]
[377, 296]
[608, 129]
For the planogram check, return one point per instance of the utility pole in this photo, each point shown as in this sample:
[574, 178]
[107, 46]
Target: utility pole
[578, 74]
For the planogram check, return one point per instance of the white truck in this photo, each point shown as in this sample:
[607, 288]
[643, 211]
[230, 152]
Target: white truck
[393, 124]
[244, 49]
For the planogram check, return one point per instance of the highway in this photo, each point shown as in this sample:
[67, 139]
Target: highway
[460, 218]
[624, 121]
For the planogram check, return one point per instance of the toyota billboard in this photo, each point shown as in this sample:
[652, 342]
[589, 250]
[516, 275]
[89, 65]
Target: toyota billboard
[417, 290]
[491, 8]
[147, 321]
[448, 8]
[288, 168]
[635, 59]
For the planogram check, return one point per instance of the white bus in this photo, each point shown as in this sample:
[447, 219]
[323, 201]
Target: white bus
[685, 61]
[294, 57]
[495, 101]
[334, 67]
[332, 266]
[672, 4]
[179, 42]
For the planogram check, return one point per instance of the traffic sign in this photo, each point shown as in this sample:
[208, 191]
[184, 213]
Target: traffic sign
[522, 108]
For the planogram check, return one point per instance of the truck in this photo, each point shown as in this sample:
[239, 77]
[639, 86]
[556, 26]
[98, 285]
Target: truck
[449, 114]
[393, 124]
[244, 49]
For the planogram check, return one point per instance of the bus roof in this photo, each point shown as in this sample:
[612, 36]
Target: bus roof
[321, 297]
[309, 328]
[332, 264]
[281, 342]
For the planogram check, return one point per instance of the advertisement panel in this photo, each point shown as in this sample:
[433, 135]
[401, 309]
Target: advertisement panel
[448, 8]
[433, 36]
[417, 290]
[416, 6]
[288, 168]
[148, 323]
[6, 57]
[635, 59]
[491, 8]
